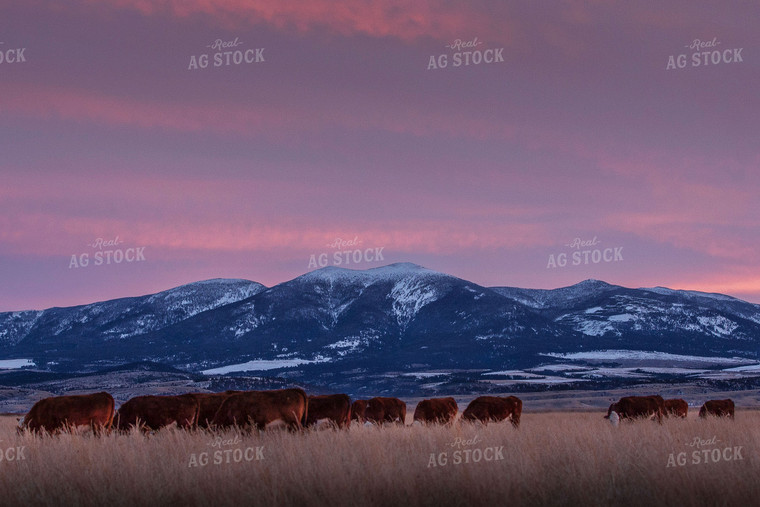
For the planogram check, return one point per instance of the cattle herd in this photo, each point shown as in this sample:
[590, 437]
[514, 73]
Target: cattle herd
[294, 409]
[655, 407]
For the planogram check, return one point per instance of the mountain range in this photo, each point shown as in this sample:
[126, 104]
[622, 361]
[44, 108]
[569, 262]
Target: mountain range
[391, 321]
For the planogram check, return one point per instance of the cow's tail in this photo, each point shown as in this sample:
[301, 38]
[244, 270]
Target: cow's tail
[111, 414]
[347, 422]
[516, 413]
[305, 409]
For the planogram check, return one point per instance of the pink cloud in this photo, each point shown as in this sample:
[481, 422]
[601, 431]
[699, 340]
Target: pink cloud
[377, 18]
[273, 120]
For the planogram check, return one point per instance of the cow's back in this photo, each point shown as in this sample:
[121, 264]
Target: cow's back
[155, 412]
[260, 408]
[208, 406]
[58, 412]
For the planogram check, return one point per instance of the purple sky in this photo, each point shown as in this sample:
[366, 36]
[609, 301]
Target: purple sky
[481, 171]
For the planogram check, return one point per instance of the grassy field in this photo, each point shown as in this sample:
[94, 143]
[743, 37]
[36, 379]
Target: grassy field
[552, 459]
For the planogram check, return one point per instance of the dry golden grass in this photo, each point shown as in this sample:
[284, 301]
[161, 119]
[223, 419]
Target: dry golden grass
[553, 459]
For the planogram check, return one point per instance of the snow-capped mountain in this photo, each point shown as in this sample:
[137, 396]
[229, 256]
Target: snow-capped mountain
[650, 319]
[395, 318]
[118, 319]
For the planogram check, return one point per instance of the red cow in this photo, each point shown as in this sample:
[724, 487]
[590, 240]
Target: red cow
[720, 408]
[358, 411]
[676, 407]
[333, 407]
[62, 412]
[380, 410]
[436, 410]
[260, 408]
[154, 412]
[633, 407]
[494, 409]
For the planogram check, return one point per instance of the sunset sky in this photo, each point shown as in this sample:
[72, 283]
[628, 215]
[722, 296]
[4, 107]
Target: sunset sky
[485, 172]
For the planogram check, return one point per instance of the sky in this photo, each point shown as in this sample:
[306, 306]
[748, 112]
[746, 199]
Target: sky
[579, 130]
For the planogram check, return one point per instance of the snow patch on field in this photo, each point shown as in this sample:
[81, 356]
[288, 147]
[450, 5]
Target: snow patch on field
[515, 373]
[13, 364]
[424, 374]
[559, 367]
[639, 355]
[262, 365]
[750, 368]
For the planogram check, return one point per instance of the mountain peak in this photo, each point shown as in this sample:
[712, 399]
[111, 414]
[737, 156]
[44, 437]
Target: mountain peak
[593, 282]
[396, 270]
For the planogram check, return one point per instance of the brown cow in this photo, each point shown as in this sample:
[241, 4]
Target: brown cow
[334, 407]
[61, 412]
[720, 408]
[359, 410]
[260, 408]
[155, 412]
[676, 407]
[208, 405]
[494, 409]
[436, 410]
[633, 407]
[380, 410]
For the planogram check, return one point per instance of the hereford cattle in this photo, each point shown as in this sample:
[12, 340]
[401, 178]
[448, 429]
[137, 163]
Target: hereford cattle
[155, 412]
[335, 408]
[633, 407]
[63, 412]
[260, 408]
[676, 407]
[436, 410]
[208, 405]
[358, 411]
[494, 409]
[381, 410]
[720, 408]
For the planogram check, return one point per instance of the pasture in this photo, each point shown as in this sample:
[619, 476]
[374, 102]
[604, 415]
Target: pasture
[554, 458]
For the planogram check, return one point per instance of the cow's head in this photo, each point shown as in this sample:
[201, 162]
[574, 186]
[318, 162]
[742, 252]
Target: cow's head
[21, 426]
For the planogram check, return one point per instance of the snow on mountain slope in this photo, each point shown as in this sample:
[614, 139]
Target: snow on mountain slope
[380, 318]
[127, 317]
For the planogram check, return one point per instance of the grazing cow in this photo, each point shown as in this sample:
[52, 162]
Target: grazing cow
[208, 405]
[436, 410]
[632, 407]
[380, 410]
[155, 412]
[494, 409]
[676, 407]
[334, 407]
[260, 408]
[359, 410]
[61, 412]
[720, 408]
